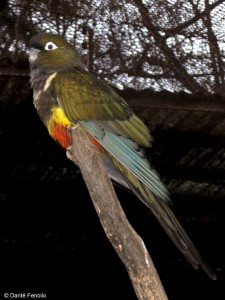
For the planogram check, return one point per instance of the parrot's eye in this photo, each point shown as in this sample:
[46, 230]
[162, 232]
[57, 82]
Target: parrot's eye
[50, 46]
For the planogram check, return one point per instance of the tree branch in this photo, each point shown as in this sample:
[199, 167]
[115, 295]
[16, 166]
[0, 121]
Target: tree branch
[173, 62]
[127, 243]
[198, 15]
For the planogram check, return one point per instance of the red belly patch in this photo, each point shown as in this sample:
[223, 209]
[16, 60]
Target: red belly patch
[62, 135]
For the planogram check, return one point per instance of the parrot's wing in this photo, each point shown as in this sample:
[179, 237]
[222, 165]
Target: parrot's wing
[107, 117]
[129, 154]
[115, 174]
[83, 97]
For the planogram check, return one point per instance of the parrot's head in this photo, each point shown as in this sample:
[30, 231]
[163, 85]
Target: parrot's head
[50, 52]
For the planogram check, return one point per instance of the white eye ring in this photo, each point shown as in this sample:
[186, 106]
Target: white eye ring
[50, 46]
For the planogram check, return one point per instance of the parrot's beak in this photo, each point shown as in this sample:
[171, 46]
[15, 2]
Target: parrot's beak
[33, 53]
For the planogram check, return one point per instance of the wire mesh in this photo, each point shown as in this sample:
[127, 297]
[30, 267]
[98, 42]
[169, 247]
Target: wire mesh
[159, 45]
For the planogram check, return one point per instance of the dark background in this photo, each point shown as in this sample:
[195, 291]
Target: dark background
[167, 58]
[51, 238]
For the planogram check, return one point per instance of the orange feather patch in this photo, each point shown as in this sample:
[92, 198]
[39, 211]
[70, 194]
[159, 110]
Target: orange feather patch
[59, 128]
[61, 134]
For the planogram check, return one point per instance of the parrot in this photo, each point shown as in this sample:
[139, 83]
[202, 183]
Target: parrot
[66, 94]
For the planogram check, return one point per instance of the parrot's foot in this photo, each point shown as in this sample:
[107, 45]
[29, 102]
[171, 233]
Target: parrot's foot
[75, 126]
[70, 155]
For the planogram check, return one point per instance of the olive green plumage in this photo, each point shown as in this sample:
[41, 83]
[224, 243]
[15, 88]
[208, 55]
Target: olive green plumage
[85, 98]
[63, 56]
[62, 84]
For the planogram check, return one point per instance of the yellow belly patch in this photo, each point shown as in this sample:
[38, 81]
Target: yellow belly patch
[58, 127]
[59, 116]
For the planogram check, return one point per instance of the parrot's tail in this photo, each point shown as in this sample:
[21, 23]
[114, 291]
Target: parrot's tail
[172, 226]
[161, 210]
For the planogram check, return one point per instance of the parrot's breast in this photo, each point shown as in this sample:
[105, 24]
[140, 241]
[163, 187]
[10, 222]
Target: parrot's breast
[59, 127]
[51, 114]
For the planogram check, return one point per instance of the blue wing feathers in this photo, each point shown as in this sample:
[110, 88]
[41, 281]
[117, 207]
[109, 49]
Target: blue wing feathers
[125, 151]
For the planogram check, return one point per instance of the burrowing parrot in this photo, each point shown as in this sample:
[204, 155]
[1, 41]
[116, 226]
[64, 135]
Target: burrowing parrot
[65, 94]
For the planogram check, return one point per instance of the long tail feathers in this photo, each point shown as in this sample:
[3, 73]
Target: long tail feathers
[172, 227]
[161, 210]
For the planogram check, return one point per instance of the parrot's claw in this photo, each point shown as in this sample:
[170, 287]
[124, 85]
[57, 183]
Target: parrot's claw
[75, 126]
[70, 156]
[69, 153]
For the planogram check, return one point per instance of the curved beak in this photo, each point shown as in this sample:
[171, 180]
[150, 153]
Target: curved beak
[33, 53]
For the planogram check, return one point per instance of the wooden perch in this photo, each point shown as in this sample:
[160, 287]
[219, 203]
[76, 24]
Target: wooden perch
[127, 243]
